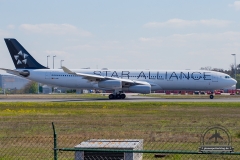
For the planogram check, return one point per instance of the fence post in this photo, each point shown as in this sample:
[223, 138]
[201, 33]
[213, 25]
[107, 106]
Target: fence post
[54, 142]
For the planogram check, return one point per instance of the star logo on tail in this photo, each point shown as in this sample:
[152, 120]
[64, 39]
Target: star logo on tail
[21, 58]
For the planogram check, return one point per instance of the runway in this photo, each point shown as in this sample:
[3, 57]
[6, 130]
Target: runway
[129, 98]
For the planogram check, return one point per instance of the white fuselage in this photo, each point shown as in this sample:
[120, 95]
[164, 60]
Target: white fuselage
[158, 79]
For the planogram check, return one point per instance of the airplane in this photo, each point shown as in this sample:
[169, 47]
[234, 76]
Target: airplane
[216, 135]
[118, 81]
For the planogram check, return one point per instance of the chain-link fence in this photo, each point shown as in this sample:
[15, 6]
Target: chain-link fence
[73, 141]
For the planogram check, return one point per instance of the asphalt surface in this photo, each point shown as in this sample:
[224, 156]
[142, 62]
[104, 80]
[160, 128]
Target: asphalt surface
[129, 98]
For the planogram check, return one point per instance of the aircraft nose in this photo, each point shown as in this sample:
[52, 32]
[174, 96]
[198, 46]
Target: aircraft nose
[234, 81]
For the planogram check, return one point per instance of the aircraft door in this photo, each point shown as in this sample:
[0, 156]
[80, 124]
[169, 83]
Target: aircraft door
[214, 78]
[47, 75]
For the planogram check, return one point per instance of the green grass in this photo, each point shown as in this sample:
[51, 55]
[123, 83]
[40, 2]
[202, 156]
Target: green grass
[26, 126]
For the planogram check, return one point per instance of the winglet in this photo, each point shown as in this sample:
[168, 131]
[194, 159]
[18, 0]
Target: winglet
[66, 70]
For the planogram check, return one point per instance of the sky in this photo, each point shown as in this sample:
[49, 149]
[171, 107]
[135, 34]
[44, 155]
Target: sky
[136, 34]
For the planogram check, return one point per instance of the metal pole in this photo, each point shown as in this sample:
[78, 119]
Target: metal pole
[53, 61]
[47, 60]
[150, 151]
[54, 142]
[38, 88]
[3, 85]
[235, 66]
[61, 63]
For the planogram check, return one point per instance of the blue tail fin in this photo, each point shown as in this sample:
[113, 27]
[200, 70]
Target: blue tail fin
[21, 58]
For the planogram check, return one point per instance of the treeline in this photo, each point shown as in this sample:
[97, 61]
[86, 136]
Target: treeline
[29, 88]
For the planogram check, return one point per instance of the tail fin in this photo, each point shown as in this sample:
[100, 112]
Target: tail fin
[21, 58]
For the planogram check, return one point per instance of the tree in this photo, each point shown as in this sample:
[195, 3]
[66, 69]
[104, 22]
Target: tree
[31, 87]
[209, 68]
[218, 70]
[232, 70]
[238, 81]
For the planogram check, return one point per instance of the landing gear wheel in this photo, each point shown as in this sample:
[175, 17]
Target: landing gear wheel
[211, 96]
[118, 96]
[123, 96]
[111, 96]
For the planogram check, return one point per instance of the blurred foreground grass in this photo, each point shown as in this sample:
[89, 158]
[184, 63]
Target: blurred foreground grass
[162, 125]
[104, 116]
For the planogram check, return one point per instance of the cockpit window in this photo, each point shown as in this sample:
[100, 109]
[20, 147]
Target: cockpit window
[227, 76]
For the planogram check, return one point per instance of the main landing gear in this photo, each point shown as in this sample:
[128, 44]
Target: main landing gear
[117, 96]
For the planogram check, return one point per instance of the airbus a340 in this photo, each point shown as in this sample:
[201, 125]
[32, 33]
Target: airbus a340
[119, 81]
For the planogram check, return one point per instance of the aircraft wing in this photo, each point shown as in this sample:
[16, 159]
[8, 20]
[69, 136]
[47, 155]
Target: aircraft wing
[86, 76]
[11, 71]
[93, 77]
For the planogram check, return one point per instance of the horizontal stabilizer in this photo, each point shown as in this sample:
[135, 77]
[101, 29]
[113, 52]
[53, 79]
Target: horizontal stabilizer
[10, 71]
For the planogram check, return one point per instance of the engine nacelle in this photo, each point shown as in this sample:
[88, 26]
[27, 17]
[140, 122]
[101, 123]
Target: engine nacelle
[24, 73]
[145, 89]
[111, 84]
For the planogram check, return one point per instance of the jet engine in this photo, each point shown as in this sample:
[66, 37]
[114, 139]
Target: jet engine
[24, 73]
[111, 84]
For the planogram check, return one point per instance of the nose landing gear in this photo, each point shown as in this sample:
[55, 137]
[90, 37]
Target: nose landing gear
[211, 96]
